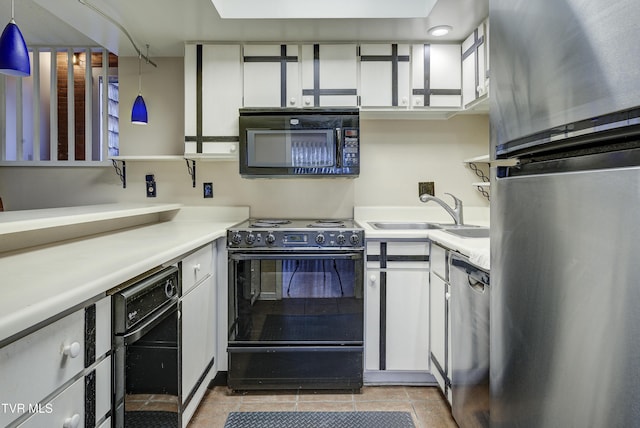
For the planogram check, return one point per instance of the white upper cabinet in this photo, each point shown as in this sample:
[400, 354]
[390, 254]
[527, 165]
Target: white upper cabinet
[436, 75]
[475, 65]
[271, 76]
[213, 95]
[385, 75]
[329, 75]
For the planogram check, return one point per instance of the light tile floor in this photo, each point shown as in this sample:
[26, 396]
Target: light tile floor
[427, 406]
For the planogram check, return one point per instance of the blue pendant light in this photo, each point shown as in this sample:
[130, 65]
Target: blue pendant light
[14, 56]
[139, 109]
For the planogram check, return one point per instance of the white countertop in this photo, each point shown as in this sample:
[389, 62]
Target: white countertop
[26, 220]
[476, 249]
[40, 282]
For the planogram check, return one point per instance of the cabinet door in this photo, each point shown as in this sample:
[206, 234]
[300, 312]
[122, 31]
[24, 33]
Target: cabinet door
[474, 67]
[372, 320]
[329, 75]
[213, 95]
[384, 75]
[397, 306]
[436, 80]
[407, 330]
[271, 76]
[197, 333]
[437, 329]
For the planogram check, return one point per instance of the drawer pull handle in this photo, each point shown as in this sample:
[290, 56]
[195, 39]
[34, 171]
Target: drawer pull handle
[72, 422]
[72, 350]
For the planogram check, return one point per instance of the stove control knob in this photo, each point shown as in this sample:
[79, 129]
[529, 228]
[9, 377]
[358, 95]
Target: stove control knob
[354, 239]
[320, 239]
[270, 239]
[236, 239]
[341, 239]
[250, 239]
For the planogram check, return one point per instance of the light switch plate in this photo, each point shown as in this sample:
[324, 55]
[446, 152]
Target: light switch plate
[151, 186]
[207, 190]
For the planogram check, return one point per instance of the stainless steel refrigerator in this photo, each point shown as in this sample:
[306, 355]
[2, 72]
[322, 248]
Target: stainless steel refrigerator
[565, 221]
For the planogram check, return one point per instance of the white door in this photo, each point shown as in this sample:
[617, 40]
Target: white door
[384, 75]
[329, 75]
[271, 76]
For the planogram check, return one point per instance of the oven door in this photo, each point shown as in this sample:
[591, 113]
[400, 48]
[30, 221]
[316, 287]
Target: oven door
[287, 298]
[295, 320]
[146, 376]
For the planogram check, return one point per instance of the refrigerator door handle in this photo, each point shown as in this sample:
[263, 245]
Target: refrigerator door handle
[475, 285]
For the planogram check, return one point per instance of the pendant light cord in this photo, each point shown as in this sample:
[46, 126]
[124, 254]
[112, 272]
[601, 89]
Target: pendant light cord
[117, 24]
[139, 74]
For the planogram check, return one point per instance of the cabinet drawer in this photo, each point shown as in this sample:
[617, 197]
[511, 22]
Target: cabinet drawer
[62, 411]
[196, 267]
[36, 365]
[439, 261]
[398, 254]
[74, 400]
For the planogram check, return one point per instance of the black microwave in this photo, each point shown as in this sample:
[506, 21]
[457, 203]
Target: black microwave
[306, 142]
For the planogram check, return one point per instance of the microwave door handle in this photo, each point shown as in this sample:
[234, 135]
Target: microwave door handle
[339, 147]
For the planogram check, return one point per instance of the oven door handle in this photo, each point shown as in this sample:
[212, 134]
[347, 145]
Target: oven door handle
[132, 336]
[294, 256]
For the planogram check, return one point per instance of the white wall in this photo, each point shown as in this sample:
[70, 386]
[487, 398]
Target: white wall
[395, 154]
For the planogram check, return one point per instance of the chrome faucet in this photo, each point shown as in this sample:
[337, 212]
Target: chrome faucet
[456, 212]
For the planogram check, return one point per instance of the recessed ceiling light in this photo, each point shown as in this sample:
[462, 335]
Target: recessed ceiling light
[440, 30]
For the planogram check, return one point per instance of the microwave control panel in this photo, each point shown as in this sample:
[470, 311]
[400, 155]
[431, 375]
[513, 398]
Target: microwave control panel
[351, 149]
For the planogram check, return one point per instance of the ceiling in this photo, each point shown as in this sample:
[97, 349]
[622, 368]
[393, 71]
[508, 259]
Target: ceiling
[167, 24]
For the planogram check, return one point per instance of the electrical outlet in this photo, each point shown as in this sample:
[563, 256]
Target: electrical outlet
[426, 187]
[207, 190]
[151, 186]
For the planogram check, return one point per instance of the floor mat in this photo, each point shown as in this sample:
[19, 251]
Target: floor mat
[155, 419]
[319, 420]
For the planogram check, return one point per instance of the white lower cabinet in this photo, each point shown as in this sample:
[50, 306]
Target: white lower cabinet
[68, 408]
[397, 312]
[196, 333]
[440, 319]
[199, 329]
[45, 362]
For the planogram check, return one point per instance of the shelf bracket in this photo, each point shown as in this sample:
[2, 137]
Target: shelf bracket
[483, 177]
[192, 171]
[121, 172]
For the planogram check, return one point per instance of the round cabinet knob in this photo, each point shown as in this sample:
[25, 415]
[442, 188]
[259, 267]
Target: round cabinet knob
[405, 101]
[270, 239]
[250, 239]
[354, 239]
[233, 148]
[72, 422]
[373, 279]
[72, 350]
[307, 101]
[236, 239]
[320, 239]
[292, 101]
[417, 102]
[341, 239]
[196, 267]
[447, 295]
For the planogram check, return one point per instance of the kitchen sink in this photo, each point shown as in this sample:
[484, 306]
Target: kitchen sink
[473, 232]
[392, 225]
